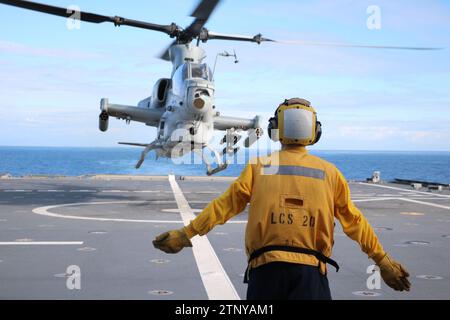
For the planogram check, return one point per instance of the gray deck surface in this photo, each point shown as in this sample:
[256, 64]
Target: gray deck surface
[124, 264]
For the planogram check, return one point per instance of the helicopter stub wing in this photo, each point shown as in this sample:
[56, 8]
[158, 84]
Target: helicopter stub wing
[150, 117]
[233, 124]
[225, 123]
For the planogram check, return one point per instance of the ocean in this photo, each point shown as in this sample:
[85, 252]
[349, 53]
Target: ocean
[355, 165]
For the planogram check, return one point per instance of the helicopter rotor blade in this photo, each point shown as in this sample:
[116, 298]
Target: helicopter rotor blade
[348, 45]
[204, 9]
[209, 35]
[202, 13]
[171, 29]
[165, 54]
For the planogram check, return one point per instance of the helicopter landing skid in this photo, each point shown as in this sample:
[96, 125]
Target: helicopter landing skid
[216, 170]
[210, 170]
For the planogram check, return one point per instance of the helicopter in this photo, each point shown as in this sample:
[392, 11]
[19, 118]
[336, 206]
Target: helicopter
[182, 108]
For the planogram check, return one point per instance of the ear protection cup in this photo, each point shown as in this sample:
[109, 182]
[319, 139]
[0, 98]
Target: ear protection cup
[273, 125]
[318, 132]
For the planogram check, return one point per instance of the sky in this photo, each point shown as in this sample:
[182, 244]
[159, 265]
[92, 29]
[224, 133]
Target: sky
[52, 78]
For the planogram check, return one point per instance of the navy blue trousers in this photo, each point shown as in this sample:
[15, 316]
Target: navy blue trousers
[287, 281]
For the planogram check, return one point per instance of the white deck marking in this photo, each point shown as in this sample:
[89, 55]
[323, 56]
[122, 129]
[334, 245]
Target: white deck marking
[199, 201]
[105, 191]
[427, 198]
[425, 203]
[178, 210]
[404, 190]
[43, 243]
[407, 200]
[44, 211]
[209, 192]
[217, 284]
[372, 199]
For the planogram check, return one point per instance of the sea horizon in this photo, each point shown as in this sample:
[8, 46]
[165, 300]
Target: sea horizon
[251, 149]
[18, 161]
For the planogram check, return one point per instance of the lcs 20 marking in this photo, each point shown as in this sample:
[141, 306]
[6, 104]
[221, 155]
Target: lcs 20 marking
[283, 218]
[225, 309]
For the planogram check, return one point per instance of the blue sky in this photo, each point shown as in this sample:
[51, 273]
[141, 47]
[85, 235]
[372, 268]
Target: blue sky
[52, 79]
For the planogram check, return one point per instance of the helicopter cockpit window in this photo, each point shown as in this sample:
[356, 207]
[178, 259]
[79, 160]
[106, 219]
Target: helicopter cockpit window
[178, 79]
[200, 71]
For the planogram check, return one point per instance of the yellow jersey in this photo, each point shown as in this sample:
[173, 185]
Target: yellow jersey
[294, 198]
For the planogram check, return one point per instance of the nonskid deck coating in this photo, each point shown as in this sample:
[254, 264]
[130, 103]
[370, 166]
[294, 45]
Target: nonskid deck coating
[116, 218]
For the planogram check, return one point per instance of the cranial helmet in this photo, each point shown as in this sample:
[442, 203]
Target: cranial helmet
[296, 121]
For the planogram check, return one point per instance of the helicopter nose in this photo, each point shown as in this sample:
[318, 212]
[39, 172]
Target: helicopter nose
[201, 100]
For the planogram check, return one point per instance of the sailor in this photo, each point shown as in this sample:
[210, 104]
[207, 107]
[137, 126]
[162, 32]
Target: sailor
[294, 199]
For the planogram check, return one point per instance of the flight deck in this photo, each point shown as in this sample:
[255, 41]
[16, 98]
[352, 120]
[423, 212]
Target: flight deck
[104, 227]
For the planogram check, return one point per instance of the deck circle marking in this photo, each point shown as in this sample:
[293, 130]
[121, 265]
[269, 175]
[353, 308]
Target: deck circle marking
[429, 277]
[178, 210]
[418, 242]
[412, 213]
[45, 211]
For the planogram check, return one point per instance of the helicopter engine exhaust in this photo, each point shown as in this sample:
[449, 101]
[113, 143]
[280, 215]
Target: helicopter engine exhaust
[103, 121]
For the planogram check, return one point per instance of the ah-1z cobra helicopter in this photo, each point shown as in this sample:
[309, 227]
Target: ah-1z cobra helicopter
[182, 107]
